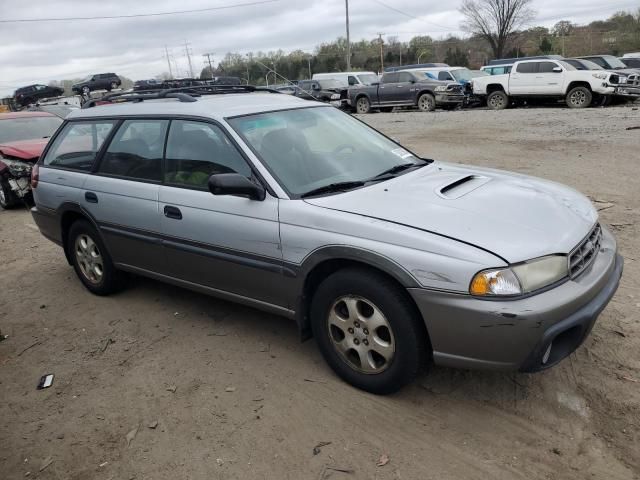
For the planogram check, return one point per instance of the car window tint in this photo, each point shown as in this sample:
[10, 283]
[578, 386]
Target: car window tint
[546, 67]
[444, 76]
[529, 67]
[390, 78]
[352, 80]
[197, 150]
[136, 150]
[78, 144]
[405, 77]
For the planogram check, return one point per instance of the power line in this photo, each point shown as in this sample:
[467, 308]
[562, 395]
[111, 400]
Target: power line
[412, 16]
[137, 15]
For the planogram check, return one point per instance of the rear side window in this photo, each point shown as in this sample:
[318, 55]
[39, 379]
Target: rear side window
[136, 150]
[530, 67]
[390, 78]
[78, 144]
[197, 150]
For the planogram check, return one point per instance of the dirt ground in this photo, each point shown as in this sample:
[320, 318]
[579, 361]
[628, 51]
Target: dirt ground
[162, 383]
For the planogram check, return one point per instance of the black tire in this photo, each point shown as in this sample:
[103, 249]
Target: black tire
[363, 105]
[7, 198]
[111, 279]
[386, 109]
[497, 100]
[405, 332]
[426, 102]
[579, 97]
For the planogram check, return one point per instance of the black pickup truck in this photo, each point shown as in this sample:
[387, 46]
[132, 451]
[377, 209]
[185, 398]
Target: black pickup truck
[405, 89]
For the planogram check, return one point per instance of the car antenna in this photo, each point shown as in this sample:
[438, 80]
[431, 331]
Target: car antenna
[270, 70]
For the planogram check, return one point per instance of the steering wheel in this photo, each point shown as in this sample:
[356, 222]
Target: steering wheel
[342, 147]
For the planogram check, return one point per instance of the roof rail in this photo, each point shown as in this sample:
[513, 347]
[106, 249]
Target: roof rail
[183, 94]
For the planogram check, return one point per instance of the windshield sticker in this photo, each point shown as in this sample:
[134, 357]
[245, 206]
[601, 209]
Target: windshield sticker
[402, 153]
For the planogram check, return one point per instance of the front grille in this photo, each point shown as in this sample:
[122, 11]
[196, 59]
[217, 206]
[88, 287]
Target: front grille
[585, 253]
[633, 80]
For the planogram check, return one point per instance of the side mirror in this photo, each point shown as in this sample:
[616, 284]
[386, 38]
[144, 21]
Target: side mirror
[557, 69]
[235, 184]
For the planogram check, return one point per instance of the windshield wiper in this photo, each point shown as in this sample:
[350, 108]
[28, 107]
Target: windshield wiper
[333, 187]
[397, 169]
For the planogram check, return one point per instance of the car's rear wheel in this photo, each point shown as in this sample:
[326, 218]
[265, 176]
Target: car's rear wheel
[497, 100]
[367, 330]
[7, 198]
[91, 260]
[427, 102]
[579, 97]
[363, 105]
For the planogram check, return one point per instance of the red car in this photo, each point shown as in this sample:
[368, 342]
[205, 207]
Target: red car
[23, 136]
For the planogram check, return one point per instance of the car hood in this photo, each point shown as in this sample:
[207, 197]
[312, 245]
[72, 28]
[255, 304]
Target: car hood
[514, 216]
[24, 149]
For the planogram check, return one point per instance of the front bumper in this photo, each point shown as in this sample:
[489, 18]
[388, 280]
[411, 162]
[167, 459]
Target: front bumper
[633, 92]
[449, 99]
[468, 332]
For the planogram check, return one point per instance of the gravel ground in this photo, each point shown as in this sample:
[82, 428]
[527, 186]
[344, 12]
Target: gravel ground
[162, 383]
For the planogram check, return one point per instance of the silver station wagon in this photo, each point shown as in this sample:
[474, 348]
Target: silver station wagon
[389, 260]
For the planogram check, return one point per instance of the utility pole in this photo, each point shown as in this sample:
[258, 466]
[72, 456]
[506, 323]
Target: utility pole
[208, 55]
[166, 52]
[346, 3]
[186, 49]
[309, 62]
[381, 53]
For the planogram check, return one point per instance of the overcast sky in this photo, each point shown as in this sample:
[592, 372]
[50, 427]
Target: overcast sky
[134, 47]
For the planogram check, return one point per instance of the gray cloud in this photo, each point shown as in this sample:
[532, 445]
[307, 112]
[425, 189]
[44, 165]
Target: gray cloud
[39, 52]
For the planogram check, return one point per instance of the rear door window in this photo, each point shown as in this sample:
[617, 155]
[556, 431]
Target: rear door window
[77, 146]
[529, 67]
[405, 77]
[197, 150]
[136, 151]
[390, 78]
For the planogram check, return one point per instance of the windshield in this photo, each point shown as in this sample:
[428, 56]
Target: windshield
[462, 74]
[330, 83]
[614, 62]
[368, 78]
[27, 128]
[309, 148]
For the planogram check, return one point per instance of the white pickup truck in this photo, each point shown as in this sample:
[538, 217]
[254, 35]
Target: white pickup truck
[544, 78]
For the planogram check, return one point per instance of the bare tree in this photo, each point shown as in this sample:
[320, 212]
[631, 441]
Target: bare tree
[495, 20]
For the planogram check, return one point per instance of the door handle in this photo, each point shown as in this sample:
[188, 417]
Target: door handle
[172, 212]
[90, 197]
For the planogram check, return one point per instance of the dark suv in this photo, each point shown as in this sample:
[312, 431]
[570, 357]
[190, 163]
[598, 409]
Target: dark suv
[326, 90]
[26, 95]
[99, 81]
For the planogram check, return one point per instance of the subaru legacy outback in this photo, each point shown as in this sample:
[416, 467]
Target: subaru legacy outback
[389, 260]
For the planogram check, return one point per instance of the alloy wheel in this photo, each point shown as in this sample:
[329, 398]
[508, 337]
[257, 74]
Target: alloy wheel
[363, 106]
[89, 259]
[361, 334]
[578, 98]
[496, 101]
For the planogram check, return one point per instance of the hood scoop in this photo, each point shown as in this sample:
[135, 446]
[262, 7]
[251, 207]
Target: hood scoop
[461, 186]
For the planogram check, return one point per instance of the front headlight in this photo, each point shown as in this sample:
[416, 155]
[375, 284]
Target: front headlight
[17, 168]
[441, 88]
[335, 96]
[522, 278]
[600, 75]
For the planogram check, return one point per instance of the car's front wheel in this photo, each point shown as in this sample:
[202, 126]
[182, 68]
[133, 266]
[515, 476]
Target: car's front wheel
[579, 97]
[7, 198]
[497, 100]
[91, 260]
[368, 330]
[363, 105]
[427, 102]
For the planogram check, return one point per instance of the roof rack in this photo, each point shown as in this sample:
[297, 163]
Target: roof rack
[183, 94]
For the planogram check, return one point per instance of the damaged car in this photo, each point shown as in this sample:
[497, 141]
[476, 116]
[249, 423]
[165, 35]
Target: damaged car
[23, 136]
